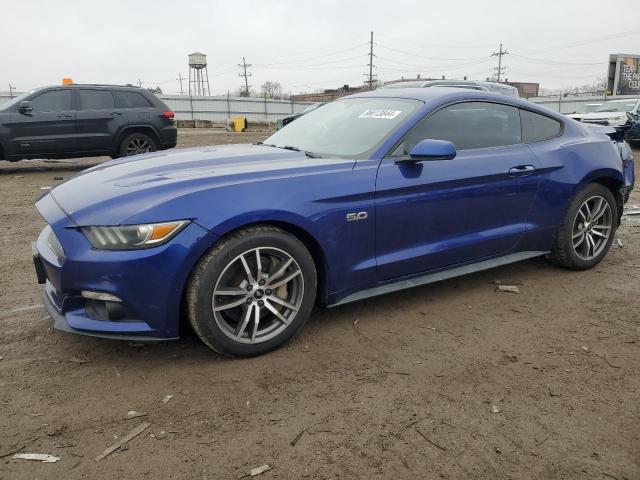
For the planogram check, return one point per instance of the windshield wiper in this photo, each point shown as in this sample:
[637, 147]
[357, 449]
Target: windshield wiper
[296, 149]
[291, 147]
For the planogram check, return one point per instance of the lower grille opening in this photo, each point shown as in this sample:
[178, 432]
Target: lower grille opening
[107, 311]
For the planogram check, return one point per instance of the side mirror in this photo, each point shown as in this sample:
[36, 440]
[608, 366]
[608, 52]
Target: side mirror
[433, 150]
[25, 107]
[632, 117]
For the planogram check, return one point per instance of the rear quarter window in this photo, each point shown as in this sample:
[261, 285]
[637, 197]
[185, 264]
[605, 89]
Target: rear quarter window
[131, 100]
[536, 127]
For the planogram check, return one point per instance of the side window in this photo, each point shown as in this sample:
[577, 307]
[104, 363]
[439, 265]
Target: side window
[536, 127]
[131, 100]
[468, 125]
[95, 100]
[53, 101]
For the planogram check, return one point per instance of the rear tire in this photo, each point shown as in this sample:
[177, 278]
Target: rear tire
[588, 229]
[252, 292]
[135, 144]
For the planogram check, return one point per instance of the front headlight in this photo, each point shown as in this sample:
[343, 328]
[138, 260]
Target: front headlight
[130, 237]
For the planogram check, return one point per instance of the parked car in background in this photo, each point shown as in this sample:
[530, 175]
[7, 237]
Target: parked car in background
[582, 109]
[632, 134]
[493, 87]
[370, 194]
[291, 118]
[613, 112]
[84, 120]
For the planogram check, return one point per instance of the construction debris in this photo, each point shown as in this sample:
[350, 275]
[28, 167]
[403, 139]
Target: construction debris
[167, 398]
[257, 471]
[40, 457]
[495, 409]
[135, 414]
[128, 437]
[507, 288]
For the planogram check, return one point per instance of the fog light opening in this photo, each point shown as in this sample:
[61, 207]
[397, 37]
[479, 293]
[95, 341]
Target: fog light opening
[105, 297]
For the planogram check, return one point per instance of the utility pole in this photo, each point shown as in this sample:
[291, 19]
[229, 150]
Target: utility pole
[11, 89]
[500, 68]
[180, 78]
[139, 83]
[370, 65]
[244, 65]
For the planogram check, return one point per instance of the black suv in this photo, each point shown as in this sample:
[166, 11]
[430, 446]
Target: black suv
[84, 120]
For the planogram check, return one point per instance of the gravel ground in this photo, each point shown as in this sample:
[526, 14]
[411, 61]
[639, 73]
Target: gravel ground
[451, 380]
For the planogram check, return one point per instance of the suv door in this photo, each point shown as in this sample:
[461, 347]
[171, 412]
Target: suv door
[98, 120]
[49, 129]
[435, 214]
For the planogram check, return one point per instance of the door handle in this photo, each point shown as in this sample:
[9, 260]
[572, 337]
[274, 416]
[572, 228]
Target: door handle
[64, 115]
[521, 171]
[113, 114]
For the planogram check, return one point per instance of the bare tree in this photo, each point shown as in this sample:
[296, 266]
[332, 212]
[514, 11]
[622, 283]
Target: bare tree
[271, 89]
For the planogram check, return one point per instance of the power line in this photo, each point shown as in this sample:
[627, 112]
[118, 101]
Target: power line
[244, 65]
[396, 50]
[501, 53]
[543, 61]
[453, 66]
[432, 45]
[286, 67]
[317, 56]
[580, 43]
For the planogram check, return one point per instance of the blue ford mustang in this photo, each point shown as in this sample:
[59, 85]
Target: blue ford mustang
[367, 195]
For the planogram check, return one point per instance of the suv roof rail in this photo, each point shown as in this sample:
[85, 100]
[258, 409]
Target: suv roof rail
[101, 85]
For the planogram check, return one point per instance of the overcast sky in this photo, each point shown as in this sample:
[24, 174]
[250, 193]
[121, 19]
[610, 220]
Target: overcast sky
[310, 45]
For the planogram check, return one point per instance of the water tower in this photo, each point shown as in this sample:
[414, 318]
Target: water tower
[198, 75]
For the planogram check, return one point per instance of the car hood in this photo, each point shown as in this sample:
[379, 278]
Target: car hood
[112, 192]
[603, 115]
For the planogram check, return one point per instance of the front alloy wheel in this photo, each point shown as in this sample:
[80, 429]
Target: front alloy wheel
[252, 291]
[258, 295]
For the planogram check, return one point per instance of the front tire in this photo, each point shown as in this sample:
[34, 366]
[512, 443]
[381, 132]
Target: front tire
[252, 292]
[588, 229]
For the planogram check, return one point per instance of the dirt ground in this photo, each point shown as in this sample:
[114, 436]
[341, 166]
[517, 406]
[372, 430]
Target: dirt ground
[452, 380]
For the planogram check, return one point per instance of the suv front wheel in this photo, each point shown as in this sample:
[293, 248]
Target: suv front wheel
[135, 144]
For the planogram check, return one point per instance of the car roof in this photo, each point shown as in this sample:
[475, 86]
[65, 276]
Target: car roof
[438, 96]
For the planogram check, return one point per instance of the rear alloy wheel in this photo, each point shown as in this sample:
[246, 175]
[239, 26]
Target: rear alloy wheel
[252, 292]
[137, 143]
[588, 229]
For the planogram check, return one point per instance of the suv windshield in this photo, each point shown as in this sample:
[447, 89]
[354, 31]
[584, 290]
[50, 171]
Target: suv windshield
[348, 128]
[617, 106]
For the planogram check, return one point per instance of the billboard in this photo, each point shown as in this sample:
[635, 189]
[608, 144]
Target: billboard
[624, 75]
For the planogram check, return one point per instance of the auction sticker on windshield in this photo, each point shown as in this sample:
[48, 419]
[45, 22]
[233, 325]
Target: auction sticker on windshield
[386, 114]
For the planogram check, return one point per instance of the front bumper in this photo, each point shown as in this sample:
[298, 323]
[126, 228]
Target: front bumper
[60, 323]
[149, 282]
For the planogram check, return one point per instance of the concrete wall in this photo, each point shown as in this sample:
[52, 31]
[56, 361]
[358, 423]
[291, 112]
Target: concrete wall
[220, 109]
[571, 103]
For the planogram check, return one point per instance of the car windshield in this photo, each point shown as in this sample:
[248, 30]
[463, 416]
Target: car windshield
[586, 108]
[347, 128]
[15, 100]
[617, 106]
